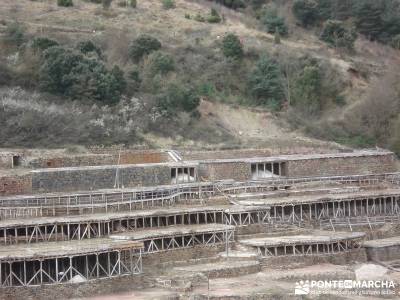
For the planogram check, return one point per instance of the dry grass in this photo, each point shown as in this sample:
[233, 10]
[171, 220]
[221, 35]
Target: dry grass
[120, 25]
[114, 30]
[32, 119]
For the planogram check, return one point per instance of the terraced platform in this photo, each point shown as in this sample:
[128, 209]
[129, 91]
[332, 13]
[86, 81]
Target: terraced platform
[316, 243]
[62, 262]
[89, 226]
[383, 249]
[168, 238]
[192, 212]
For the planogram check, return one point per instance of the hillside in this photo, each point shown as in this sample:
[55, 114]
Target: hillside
[217, 108]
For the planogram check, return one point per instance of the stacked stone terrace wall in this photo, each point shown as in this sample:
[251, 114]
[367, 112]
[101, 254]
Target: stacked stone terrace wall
[91, 288]
[368, 164]
[15, 184]
[99, 159]
[144, 157]
[100, 177]
[246, 153]
[181, 255]
[133, 175]
[225, 170]
[383, 253]
[304, 260]
[222, 154]
[5, 162]
[72, 161]
[6, 159]
[334, 165]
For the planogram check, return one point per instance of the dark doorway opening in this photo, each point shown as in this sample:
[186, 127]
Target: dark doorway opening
[16, 160]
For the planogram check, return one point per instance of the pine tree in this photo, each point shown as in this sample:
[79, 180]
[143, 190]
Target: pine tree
[106, 4]
[273, 22]
[265, 83]
[232, 47]
[368, 18]
[337, 35]
[306, 11]
[307, 90]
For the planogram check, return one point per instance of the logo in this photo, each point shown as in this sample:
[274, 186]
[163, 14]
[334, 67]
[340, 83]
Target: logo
[344, 287]
[302, 288]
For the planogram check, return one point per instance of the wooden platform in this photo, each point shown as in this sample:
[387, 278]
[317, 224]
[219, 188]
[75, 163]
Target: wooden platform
[178, 237]
[65, 249]
[316, 243]
[317, 237]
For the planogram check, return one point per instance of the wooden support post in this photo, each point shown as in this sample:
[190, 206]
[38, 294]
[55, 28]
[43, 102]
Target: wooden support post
[56, 268]
[70, 268]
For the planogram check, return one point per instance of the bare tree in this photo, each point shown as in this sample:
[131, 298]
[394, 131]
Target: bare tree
[375, 115]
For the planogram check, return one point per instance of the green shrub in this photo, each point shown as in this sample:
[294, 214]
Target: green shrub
[119, 82]
[368, 18]
[206, 89]
[232, 47]
[168, 4]
[376, 19]
[177, 98]
[306, 11]
[214, 17]
[106, 3]
[134, 75]
[359, 141]
[235, 4]
[273, 22]
[396, 42]
[134, 80]
[337, 35]
[265, 83]
[187, 16]
[340, 100]
[88, 47]
[277, 37]
[65, 3]
[69, 73]
[143, 45]
[160, 63]
[335, 9]
[43, 43]
[308, 90]
[15, 34]
[6, 75]
[395, 138]
[257, 4]
[199, 18]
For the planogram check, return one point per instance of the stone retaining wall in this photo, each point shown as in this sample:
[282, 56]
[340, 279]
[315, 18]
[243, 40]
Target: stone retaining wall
[75, 290]
[155, 259]
[92, 178]
[15, 184]
[335, 165]
[342, 258]
[234, 271]
[225, 170]
[383, 253]
[133, 175]
[6, 162]
[244, 153]
[350, 165]
[126, 157]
